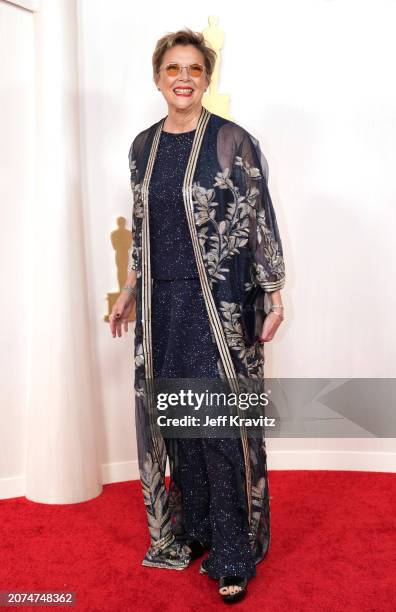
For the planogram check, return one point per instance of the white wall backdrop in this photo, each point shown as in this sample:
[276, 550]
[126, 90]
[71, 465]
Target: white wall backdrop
[17, 195]
[312, 81]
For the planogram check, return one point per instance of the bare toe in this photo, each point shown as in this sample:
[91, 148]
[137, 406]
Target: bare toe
[224, 591]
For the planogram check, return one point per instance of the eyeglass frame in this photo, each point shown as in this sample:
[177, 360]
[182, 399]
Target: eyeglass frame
[181, 66]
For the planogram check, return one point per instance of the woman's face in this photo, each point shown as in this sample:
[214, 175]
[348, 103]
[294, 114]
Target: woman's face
[185, 55]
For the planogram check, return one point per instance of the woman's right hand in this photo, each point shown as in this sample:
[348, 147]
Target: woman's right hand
[120, 314]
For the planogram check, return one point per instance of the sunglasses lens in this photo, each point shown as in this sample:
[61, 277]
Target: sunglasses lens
[196, 70]
[172, 70]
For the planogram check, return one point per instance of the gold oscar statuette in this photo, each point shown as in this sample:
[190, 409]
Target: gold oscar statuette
[121, 241]
[214, 101]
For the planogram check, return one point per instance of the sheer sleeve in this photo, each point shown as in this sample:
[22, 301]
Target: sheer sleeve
[137, 209]
[250, 169]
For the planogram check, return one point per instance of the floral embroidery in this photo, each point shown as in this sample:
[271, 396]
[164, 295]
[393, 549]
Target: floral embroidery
[227, 236]
[250, 170]
[250, 356]
[139, 355]
[137, 217]
[139, 363]
[258, 499]
[268, 267]
[155, 497]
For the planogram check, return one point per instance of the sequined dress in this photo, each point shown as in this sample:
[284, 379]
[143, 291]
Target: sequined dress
[182, 345]
[209, 469]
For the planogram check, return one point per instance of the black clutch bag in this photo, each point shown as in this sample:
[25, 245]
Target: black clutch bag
[253, 314]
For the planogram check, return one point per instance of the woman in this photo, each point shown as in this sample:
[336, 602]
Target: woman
[207, 270]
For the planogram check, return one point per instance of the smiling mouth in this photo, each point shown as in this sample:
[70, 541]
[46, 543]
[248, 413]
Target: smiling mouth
[183, 91]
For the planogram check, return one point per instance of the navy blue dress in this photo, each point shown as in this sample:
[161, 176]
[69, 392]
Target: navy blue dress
[208, 468]
[182, 345]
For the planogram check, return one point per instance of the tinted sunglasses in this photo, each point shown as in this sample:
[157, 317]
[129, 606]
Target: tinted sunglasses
[173, 69]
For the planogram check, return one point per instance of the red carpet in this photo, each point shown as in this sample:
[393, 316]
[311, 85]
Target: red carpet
[332, 549]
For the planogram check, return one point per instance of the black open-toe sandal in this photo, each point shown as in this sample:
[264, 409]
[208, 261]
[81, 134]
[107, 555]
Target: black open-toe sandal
[235, 581]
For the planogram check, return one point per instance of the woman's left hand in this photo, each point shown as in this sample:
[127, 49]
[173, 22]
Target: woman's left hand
[271, 324]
